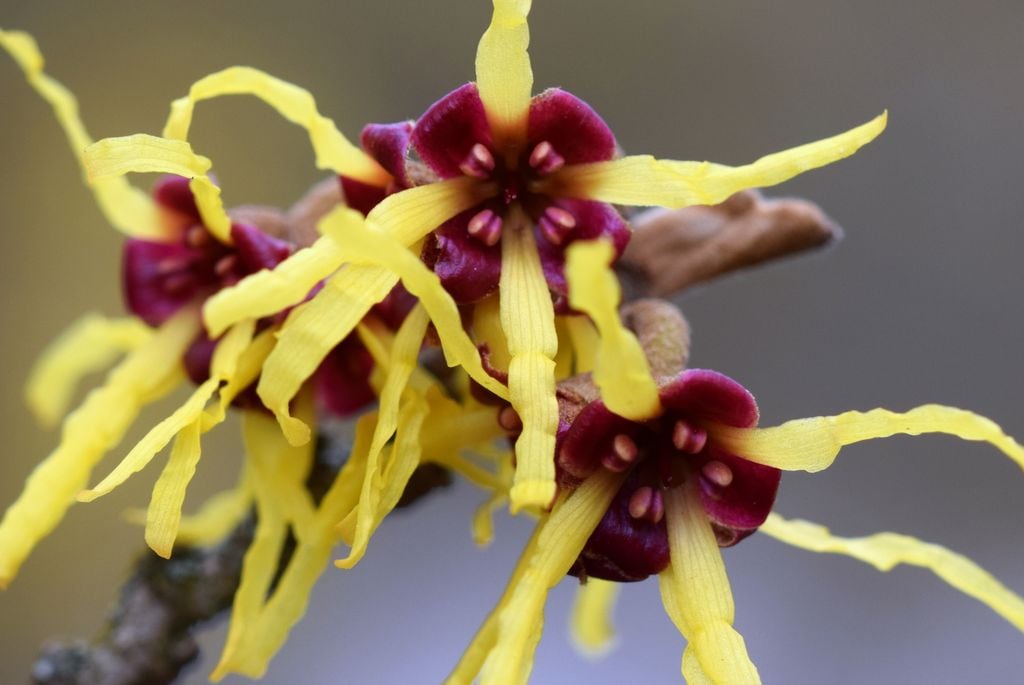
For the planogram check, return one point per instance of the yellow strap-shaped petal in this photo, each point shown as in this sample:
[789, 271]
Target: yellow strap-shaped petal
[127, 208]
[564, 358]
[343, 495]
[154, 441]
[91, 344]
[284, 466]
[813, 444]
[622, 373]
[259, 568]
[141, 153]
[406, 216]
[487, 330]
[164, 512]
[311, 331]
[528, 319]
[472, 660]
[591, 625]
[562, 537]
[585, 343]
[405, 456]
[333, 150]
[218, 515]
[483, 519]
[88, 433]
[885, 551]
[696, 592]
[269, 291]
[223, 365]
[458, 349]
[645, 181]
[503, 72]
[250, 364]
[265, 636]
[356, 529]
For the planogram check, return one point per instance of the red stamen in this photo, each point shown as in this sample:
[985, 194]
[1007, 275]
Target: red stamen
[544, 159]
[479, 162]
[225, 265]
[197, 236]
[718, 473]
[687, 438]
[625, 448]
[555, 224]
[647, 503]
[486, 227]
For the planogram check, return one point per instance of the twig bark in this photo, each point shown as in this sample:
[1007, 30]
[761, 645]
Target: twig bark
[149, 638]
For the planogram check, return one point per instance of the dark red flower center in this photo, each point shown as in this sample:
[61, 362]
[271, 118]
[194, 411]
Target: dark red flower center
[631, 541]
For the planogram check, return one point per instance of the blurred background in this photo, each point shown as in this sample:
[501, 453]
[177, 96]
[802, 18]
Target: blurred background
[920, 303]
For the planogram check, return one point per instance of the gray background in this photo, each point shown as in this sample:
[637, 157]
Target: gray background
[920, 303]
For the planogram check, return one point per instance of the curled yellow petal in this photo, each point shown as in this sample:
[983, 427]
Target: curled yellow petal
[591, 623]
[333, 150]
[405, 456]
[164, 513]
[218, 516]
[585, 343]
[622, 372]
[223, 365]
[127, 208]
[560, 540]
[885, 551]
[696, 592]
[487, 330]
[503, 72]
[404, 354]
[459, 350]
[269, 291]
[411, 214]
[88, 433]
[645, 181]
[91, 344]
[311, 331]
[259, 568]
[279, 471]
[528, 319]
[154, 441]
[141, 153]
[813, 444]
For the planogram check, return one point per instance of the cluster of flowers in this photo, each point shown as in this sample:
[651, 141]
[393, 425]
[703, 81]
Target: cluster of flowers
[487, 228]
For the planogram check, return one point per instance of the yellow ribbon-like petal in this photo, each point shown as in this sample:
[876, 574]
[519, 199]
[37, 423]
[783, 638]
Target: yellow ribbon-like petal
[528, 319]
[696, 593]
[458, 349]
[127, 208]
[311, 331]
[222, 368]
[314, 328]
[406, 216]
[645, 181]
[141, 153]
[357, 527]
[91, 344]
[259, 568]
[164, 512]
[405, 456]
[591, 624]
[269, 291]
[218, 516]
[487, 330]
[885, 551]
[813, 444]
[503, 72]
[333, 150]
[585, 343]
[561, 538]
[622, 372]
[89, 432]
[279, 471]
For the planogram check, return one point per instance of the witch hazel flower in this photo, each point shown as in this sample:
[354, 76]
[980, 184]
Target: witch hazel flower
[510, 181]
[659, 493]
[181, 248]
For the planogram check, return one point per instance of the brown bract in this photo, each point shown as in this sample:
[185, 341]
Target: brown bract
[675, 249]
